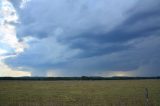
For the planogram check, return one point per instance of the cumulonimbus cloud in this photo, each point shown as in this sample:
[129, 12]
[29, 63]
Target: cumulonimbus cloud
[82, 37]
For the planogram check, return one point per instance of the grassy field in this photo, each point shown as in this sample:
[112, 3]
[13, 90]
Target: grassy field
[79, 93]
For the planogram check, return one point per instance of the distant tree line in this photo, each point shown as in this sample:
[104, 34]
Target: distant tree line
[77, 78]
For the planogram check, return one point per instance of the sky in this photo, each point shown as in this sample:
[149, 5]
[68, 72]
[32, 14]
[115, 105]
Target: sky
[79, 38]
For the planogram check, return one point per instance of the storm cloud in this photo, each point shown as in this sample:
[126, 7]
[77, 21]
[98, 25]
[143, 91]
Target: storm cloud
[89, 37]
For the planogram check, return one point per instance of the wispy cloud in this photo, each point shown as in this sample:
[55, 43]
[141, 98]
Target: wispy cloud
[24, 3]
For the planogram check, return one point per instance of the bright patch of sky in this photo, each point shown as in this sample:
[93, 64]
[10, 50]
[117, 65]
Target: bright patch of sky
[10, 45]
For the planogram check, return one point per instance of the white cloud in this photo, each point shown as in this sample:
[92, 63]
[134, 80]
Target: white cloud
[24, 3]
[2, 51]
[8, 37]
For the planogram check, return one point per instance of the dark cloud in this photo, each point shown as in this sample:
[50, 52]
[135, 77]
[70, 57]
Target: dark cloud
[137, 25]
[86, 37]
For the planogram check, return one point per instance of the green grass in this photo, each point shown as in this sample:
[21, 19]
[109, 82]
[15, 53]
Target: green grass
[79, 93]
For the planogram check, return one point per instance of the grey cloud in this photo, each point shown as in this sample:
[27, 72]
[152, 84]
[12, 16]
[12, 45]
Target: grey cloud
[72, 17]
[84, 37]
